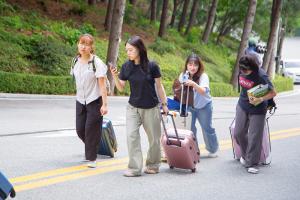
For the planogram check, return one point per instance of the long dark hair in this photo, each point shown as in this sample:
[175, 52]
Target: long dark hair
[138, 43]
[195, 58]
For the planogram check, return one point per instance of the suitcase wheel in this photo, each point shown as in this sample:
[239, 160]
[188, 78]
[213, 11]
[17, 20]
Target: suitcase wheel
[194, 170]
[12, 193]
[171, 167]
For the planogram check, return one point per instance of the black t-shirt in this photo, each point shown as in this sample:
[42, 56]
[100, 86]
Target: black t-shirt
[248, 82]
[142, 84]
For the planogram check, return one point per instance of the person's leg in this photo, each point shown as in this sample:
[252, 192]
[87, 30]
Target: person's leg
[241, 129]
[151, 124]
[80, 120]
[204, 116]
[255, 135]
[93, 129]
[193, 123]
[133, 123]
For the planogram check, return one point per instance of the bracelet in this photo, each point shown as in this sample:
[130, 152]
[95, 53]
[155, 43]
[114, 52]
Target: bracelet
[164, 104]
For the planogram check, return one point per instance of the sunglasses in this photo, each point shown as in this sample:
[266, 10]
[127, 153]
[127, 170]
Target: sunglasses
[244, 67]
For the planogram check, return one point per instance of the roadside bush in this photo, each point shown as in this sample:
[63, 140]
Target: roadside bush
[51, 56]
[36, 84]
[283, 84]
[13, 57]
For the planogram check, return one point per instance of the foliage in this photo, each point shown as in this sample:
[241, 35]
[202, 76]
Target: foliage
[36, 84]
[50, 56]
[283, 84]
[162, 47]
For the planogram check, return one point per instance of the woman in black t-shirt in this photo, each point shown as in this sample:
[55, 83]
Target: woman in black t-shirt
[251, 112]
[143, 107]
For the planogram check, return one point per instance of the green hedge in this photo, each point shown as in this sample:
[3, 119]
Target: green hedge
[36, 84]
[283, 84]
[39, 84]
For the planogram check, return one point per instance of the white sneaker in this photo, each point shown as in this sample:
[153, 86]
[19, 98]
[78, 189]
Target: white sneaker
[212, 155]
[92, 164]
[253, 170]
[242, 161]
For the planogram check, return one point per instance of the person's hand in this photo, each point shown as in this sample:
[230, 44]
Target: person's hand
[103, 110]
[190, 83]
[255, 100]
[113, 70]
[165, 109]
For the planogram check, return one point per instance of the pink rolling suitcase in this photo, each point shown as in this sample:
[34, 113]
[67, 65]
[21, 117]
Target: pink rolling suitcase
[265, 156]
[180, 147]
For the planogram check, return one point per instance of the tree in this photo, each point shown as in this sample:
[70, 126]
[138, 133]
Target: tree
[175, 6]
[192, 16]
[231, 13]
[109, 14]
[246, 32]
[91, 2]
[210, 20]
[183, 15]
[153, 11]
[279, 49]
[163, 19]
[115, 37]
[267, 63]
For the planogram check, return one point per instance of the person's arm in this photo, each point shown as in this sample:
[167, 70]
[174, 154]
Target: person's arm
[162, 94]
[102, 86]
[253, 100]
[120, 84]
[202, 87]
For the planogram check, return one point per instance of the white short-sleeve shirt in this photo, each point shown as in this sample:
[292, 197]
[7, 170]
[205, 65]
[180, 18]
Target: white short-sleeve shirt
[200, 100]
[87, 88]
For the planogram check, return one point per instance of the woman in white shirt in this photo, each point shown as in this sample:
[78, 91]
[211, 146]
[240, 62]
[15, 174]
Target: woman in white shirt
[91, 96]
[202, 105]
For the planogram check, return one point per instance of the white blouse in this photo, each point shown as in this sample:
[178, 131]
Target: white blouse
[87, 88]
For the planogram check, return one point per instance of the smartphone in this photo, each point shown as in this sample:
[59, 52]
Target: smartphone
[111, 65]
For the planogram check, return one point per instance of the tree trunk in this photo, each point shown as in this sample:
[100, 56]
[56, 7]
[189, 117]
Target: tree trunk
[91, 2]
[176, 3]
[183, 15]
[133, 2]
[279, 49]
[276, 9]
[246, 31]
[163, 19]
[153, 11]
[115, 37]
[192, 16]
[210, 20]
[109, 14]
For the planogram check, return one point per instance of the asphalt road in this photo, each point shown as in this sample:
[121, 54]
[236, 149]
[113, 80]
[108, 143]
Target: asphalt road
[40, 153]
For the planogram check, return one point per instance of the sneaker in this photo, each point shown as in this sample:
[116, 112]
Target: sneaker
[242, 161]
[212, 155]
[252, 170]
[129, 173]
[84, 161]
[163, 159]
[91, 164]
[149, 170]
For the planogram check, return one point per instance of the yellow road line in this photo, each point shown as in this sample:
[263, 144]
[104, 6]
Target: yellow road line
[66, 170]
[81, 171]
[51, 181]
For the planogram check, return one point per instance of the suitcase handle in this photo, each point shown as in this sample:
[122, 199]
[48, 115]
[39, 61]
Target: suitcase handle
[165, 130]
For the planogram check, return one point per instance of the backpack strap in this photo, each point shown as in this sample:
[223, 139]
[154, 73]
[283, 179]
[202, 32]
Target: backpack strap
[93, 63]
